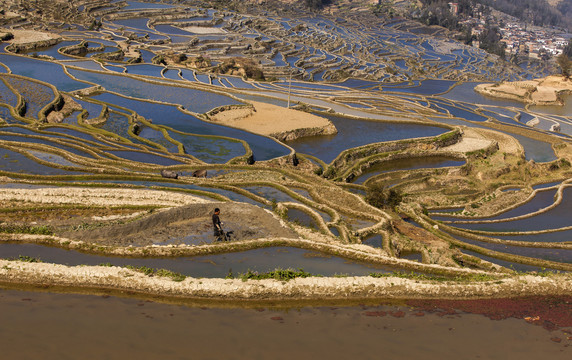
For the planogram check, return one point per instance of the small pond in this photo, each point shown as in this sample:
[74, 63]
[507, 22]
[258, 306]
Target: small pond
[270, 193]
[375, 241]
[144, 157]
[556, 255]
[507, 264]
[302, 218]
[211, 150]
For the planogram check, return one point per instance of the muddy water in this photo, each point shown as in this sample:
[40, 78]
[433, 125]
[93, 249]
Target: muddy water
[565, 110]
[63, 326]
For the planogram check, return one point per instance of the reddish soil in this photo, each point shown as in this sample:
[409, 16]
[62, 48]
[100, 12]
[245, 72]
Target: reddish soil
[551, 313]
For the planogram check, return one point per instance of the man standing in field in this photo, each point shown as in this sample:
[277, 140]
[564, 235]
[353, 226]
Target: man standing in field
[218, 233]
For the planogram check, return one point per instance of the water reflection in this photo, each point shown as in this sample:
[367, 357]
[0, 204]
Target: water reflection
[354, 132]
[49, 72]
[541, 200]
[169, 115]
[555, 218]
[408, 164]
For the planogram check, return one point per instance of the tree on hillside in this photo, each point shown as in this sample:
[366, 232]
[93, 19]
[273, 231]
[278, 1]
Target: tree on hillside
[568, 49]
[538, 12]
[316, 4]
[489, 41]
[438, 13]
[377, 195]
[384, 7]
[464, 7]
[565, 65]
[565, 7]
[466, 36]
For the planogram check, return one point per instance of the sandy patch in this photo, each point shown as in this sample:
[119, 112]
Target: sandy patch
[472, 141]
[204, 30]
[507, 143]
[10, 15]
[476, 139]
[544, 94]
[268, 119]
[30, 36]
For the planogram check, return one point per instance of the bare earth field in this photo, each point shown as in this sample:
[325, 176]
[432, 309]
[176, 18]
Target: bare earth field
[30, 36]
[544, 91]
[268, 119]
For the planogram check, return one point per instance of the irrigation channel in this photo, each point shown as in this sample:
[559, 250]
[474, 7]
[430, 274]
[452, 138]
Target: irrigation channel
[115, 152]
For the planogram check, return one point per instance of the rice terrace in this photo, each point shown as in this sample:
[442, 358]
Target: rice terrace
[358, 157]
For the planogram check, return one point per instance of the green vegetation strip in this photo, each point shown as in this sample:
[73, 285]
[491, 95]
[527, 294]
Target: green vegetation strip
[26, 229]
[276, 274]
[26, 258]
[155, 272]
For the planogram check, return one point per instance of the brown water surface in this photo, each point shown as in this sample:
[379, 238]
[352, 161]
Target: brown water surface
[41, 325]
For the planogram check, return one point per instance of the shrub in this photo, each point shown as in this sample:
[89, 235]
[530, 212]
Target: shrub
[26, 229]
[378, 196]
[277, 274]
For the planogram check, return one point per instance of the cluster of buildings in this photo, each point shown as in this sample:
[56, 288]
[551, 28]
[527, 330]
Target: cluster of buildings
[520, 39]
[537, 43]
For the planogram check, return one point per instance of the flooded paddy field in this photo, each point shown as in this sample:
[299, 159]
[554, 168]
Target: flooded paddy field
[407, 164]
[539, 218]
[46, 71]
[354, 133]
[210, 266]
